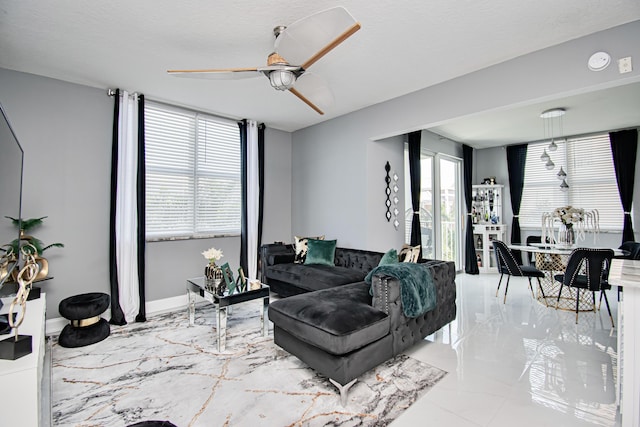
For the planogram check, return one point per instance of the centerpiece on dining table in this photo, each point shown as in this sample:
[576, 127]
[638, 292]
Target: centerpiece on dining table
[573, 223]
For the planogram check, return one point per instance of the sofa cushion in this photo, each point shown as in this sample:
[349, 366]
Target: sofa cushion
[337, 320]
[389, 257]
[321, 252]
[300, 246]
[313, 277]
[409, 253]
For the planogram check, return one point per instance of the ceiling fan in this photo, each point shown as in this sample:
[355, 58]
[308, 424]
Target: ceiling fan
[296, 48]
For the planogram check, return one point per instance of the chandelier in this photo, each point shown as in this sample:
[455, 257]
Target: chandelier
[552, 120]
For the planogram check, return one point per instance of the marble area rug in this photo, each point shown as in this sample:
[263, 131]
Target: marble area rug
[165, 370]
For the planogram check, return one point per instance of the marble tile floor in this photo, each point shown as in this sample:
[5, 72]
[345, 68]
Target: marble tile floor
[518, 363]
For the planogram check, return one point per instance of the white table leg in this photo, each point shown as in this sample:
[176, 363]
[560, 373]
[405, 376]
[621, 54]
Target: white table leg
[191, 307]
[221, 315]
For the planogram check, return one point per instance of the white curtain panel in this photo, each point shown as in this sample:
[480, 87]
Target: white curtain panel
[126, 207]
[253, 196]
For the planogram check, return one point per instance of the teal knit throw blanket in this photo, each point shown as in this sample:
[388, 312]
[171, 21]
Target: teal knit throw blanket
[417, 291]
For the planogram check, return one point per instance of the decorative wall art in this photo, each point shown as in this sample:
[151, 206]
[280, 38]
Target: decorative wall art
[396, 209]
[387, 190]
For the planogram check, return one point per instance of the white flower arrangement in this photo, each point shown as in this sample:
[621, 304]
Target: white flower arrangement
[577, 219]
[212, 254]
[569, 215]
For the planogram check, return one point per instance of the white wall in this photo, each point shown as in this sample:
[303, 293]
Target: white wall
[336, 163]
[65, 131]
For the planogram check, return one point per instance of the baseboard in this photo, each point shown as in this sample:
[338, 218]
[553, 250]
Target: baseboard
[55, 325]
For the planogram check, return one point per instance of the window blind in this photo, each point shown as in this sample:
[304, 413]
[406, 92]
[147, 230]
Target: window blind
[192, 173]
[590, 175]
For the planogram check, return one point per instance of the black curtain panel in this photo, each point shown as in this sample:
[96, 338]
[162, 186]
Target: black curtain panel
[624, 145]
[244, 227]
[470, 258]
[140, 189]
[414, 172]
[261, 128]
[117, 315]
[516, 160]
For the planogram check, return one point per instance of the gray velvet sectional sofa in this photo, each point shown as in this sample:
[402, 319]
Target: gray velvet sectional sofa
[286, 278]
[344, 330]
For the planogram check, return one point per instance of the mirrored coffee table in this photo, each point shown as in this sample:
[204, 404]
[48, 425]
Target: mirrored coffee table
[222, 303]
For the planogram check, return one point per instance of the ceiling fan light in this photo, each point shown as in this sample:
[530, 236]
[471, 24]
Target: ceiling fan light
[282, 79]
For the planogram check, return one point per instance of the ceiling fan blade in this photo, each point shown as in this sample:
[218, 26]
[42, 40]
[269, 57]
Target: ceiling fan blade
[313, 91]
[218, 74]
[309, 39]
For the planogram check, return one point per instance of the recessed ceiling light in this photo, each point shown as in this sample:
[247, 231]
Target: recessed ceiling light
[599, 61]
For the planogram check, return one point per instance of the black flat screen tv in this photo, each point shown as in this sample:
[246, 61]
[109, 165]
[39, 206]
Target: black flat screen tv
[11, 158]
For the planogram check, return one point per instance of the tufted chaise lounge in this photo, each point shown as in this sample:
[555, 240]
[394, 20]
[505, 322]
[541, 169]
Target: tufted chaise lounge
[345, 331]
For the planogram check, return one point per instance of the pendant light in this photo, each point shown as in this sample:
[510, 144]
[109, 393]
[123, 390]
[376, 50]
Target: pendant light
[550, 165]
[544, 157]
[561, 174]
[549, 117]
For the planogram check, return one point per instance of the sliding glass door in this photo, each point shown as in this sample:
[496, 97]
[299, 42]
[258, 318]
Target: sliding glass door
[450, 209]
[440, 207]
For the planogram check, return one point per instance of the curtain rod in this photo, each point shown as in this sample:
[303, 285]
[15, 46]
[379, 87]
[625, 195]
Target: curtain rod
[112, 92]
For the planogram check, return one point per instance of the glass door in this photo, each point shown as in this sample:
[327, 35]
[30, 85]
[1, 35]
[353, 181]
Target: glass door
[440, 207]
[450, 209]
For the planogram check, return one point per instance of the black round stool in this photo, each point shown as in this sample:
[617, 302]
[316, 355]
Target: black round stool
[86, 326]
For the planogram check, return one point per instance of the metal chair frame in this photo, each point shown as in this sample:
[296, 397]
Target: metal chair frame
[595, 264]
[506, 261]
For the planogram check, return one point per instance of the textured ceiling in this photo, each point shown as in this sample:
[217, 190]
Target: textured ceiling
[402, 46]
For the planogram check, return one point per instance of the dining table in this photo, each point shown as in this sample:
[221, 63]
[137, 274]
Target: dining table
[552, 259]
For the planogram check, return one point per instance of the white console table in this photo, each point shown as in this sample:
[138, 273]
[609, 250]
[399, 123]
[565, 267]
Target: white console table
[626, 273]
[21, 379]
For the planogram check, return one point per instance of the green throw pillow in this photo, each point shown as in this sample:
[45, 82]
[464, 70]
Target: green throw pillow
[390, 257]
[321, 252]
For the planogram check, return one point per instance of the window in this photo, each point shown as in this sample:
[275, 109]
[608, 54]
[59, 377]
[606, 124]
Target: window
[590, 175]
[192, 173]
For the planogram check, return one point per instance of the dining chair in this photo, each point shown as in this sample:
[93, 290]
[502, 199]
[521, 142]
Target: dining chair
[508, 265]
[632, 249]
[587, 269]
[529, 241]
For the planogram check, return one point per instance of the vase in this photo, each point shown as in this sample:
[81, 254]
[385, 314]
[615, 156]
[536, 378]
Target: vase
[566, 235]
[213, 277]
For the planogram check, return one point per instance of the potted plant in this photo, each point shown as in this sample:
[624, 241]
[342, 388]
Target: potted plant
[27, 225]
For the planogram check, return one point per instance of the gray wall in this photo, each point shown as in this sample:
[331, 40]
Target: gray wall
[277, 191]
[337, 170]
[65, 131]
